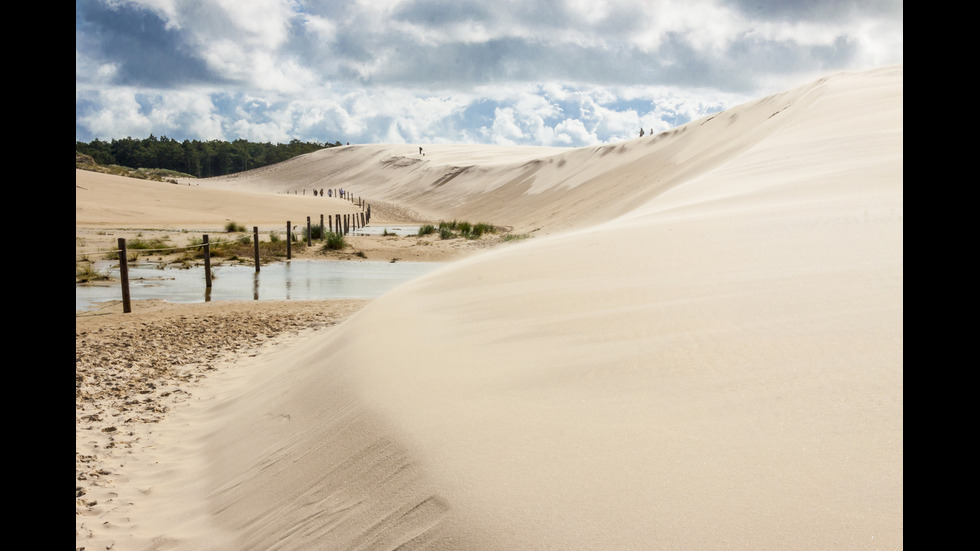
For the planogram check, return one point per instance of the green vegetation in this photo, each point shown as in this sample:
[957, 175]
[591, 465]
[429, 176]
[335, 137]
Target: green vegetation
[85, 272]
[132, 255]
[450, 230]
[147, 244]
[516, 237]
[242, 249]
[190, 158]
[334, 241]
[315, 231]
[232, 227]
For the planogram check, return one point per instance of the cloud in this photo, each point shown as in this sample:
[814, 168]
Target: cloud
[546, 72]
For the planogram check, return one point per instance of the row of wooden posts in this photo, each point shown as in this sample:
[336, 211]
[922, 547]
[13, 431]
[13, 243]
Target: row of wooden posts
[341, 194]
[343, 223]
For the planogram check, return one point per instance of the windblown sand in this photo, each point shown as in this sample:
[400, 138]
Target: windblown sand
[696, 344]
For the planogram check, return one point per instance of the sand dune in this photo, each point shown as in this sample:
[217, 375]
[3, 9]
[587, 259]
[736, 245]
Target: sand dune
[702, 348]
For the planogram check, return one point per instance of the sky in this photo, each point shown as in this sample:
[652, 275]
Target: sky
[566, 73]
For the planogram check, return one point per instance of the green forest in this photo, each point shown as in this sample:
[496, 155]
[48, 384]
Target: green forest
[193, 157]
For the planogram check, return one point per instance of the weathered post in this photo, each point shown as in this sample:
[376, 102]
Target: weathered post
[337, 216]
[322, 228]
[289, 240]
[255, 233]
[207, 262]
[309, 234]
[124, 276]
[330, 223]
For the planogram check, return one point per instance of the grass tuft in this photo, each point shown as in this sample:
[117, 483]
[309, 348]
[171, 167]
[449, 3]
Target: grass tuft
[85, 272]
[450, 230]
[334, 241]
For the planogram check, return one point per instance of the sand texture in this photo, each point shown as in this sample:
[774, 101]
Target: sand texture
[697, 345]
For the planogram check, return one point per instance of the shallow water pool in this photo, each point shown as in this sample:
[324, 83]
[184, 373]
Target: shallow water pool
[292, 280]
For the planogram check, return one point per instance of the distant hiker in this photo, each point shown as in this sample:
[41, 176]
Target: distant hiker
[329, 193]
[641, 132]
[420, 151]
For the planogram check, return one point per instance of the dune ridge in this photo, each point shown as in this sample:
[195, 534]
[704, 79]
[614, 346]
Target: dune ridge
[545, 189]
[703, 349]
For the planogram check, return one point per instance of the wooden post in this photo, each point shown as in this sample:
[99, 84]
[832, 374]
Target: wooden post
[207, 262]
[289, 240]
[124, 276]
[309, 234]
[255, 233]
[337, 216]
[322, 229]
[330, 223]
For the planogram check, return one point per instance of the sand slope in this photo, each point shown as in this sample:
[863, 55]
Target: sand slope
[704, 352]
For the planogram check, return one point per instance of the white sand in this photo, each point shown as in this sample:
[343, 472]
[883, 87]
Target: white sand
[702, 348]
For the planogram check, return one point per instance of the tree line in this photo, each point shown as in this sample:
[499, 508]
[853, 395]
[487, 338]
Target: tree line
[197, 158]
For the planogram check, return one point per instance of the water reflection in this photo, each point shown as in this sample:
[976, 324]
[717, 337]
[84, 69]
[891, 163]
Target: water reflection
[389, 230]
[293, 280]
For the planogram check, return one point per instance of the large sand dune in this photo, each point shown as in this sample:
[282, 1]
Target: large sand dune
[702, 348]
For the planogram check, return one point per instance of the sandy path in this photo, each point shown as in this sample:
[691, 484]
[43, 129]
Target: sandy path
[132, 369]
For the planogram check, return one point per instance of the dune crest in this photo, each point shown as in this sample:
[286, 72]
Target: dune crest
[706, 351]
[550, 189]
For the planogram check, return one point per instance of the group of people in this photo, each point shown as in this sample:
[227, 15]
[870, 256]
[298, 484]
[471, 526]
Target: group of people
[340, 193]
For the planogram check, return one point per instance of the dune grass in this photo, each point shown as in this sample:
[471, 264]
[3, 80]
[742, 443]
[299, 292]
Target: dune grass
[241, 248]
[85, 272]
[334, 241]
[455, 228]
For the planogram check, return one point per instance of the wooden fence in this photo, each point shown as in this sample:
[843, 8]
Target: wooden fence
[344, 224]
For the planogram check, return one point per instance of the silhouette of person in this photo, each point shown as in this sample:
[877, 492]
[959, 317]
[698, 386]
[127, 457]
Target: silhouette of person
[641, 132]
[420, 151]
